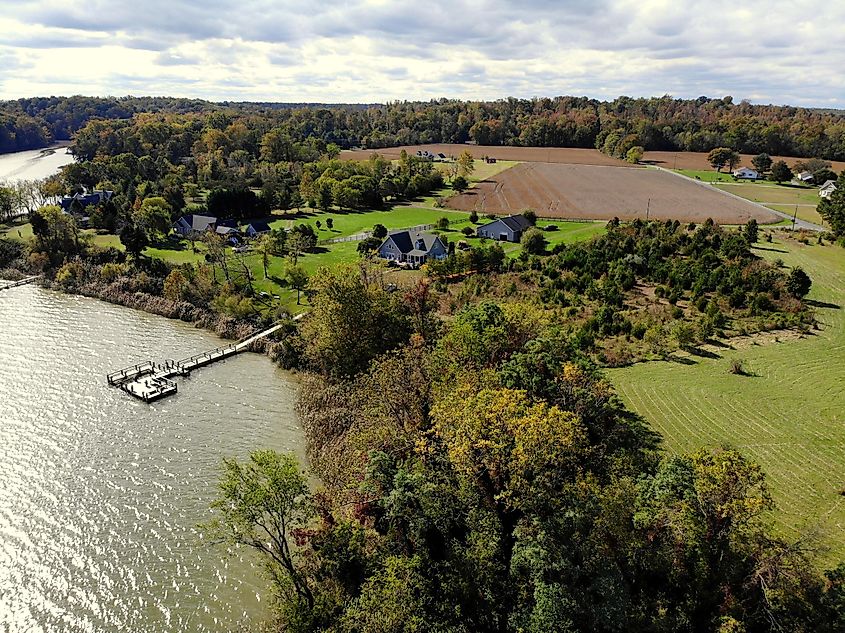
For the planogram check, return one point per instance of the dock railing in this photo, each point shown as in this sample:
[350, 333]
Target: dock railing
[131, 373]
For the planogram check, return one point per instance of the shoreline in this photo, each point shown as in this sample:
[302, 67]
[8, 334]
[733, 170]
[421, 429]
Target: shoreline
[55, 145]
[224, 327]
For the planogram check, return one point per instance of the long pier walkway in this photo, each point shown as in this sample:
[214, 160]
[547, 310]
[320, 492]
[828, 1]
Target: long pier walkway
[149, 381]
[6, 285]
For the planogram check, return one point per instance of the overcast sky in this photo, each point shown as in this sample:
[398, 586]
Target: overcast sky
[775, 51]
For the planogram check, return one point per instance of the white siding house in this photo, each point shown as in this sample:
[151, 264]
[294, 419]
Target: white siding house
[746, 173]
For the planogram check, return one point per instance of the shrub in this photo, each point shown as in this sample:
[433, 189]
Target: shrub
[468, 231]
[736, 367]
[70, 274]
[551, 227]
[798, 283]
[110, 272]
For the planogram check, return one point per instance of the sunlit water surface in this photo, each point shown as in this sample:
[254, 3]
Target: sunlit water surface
[101, 495]
[33, 164]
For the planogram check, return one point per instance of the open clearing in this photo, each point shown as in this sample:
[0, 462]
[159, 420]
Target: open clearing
[602, 192]
[566, 155]
[788, 415]
[698, 160]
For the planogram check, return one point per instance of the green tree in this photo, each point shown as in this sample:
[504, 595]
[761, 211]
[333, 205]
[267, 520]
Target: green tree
[534, 241]
[798, 283]
[473, 216]
[832, 208]
[297, 279]
[635, 154]
[780, 172]
[260, 504]
[750, 231]
[465, 164]
[56, 233]
[722, 156]
[459, 184]
[531, 216]
[379, 231]
[153, 216]
[369, 244]
[134, 239]
[7, 204]
[443, 223]
[264, 246]
[353, 319]
[762, 163]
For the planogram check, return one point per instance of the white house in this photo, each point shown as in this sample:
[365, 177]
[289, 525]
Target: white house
[746, 173]
[804, 176]
[827, 188]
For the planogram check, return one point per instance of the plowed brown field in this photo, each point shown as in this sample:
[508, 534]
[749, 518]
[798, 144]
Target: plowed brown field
[567, 155]
[602, 192]
[698, 160]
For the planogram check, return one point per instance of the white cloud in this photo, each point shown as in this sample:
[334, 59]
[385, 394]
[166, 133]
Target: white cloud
[366, 50]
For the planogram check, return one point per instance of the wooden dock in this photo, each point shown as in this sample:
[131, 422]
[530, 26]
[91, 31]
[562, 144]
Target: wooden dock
[149, 381]
[6, 285]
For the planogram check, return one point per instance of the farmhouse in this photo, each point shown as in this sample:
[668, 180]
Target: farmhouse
[827, 188]
[424, 153]
[507, 229]
[746, 173]
[414, 249]
[804, 176]
[194, 224]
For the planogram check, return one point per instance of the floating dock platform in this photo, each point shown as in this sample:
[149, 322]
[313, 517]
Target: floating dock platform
[149, 381]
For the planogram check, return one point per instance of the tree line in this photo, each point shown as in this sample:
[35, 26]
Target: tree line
[617, 126]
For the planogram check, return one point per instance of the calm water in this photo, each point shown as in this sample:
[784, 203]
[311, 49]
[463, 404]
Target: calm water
[33, 165]
[100, 494]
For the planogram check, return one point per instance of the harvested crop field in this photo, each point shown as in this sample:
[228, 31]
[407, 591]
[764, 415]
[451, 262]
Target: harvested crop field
[566, 155]
[601, 192]
[698, 160]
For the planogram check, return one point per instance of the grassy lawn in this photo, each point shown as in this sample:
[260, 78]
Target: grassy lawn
[787, 415]
[772, 193]
[706, 175]
[567, 233]
[351, 223]
[804, 213]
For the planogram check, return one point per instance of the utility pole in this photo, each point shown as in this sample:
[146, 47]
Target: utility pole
[794, 215]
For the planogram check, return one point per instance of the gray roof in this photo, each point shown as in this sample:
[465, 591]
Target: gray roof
[197, 222]
[259, 226]
[828, 183]
[516, 222]
[406, 242]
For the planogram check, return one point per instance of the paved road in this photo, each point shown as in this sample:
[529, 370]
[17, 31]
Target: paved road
[799, 223]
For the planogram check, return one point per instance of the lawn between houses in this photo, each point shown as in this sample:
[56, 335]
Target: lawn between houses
[786, 415]
[179, 251]
[780, 197]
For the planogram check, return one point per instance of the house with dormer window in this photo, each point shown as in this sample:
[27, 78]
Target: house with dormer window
[412, 248]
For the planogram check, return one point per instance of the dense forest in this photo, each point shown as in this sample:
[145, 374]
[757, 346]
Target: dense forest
[480, 474]
[659, 123]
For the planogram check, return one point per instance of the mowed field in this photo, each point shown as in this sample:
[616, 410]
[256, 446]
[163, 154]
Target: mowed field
[698, 160]
[560, 190]
[789, 415]
[565, 155]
